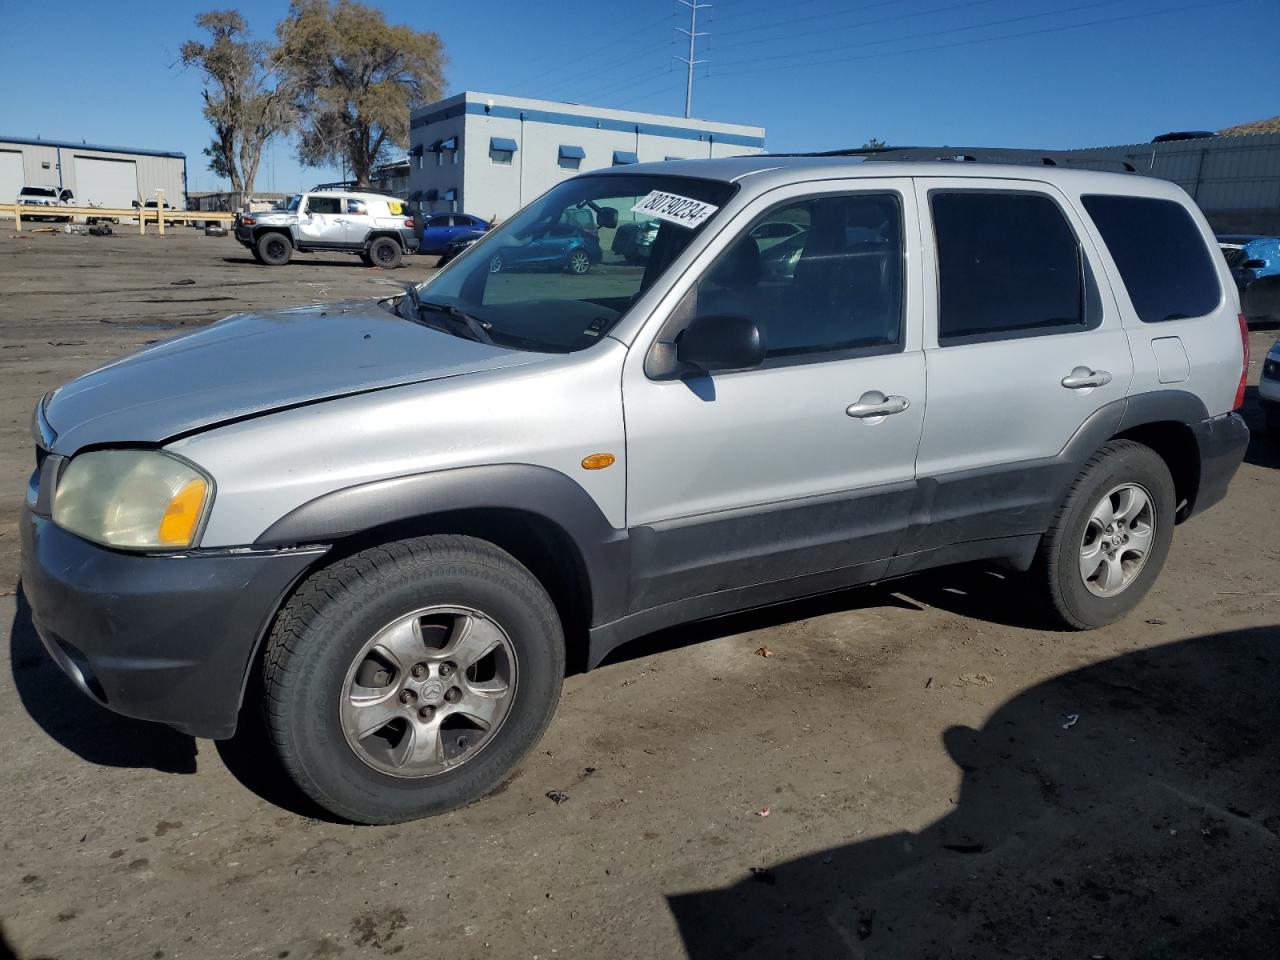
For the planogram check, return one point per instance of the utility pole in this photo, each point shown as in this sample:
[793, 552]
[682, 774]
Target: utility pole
[693, 35]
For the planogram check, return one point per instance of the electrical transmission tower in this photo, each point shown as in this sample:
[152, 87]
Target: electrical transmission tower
[693, 35]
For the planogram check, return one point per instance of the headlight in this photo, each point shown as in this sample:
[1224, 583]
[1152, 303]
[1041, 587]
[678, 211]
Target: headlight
[132, 499]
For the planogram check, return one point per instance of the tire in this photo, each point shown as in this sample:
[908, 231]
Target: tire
[273, 249]
[385, 253]
[1076, 540]
[319, 655]
[579, 263]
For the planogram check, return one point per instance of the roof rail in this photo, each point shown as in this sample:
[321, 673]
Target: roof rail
[1039, 158]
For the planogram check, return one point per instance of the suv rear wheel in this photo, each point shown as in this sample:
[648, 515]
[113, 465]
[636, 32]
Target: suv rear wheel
[273, 249]
[385, 253]
[410, 678]
[1110, 538]
[579, 262]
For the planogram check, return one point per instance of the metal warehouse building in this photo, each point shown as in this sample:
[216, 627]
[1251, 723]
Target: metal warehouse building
[101, 176]
[490, 155]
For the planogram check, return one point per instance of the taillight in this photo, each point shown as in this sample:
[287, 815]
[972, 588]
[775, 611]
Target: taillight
[1244, 370]
[409, 222]
[248, 221]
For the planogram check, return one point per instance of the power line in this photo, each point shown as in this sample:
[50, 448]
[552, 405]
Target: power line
[773, 38]
[813, 16]
[979, 40]
[934, 33]
[604, 48]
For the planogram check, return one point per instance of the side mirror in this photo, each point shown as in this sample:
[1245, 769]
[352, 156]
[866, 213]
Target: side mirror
[1253, 264]
[721, 343]
[607, 218]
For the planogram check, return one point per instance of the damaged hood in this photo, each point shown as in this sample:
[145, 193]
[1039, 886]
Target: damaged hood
[251, 364]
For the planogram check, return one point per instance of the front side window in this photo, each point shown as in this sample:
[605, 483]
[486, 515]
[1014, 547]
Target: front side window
[552, 277]
[1008, 263]
[324, 205]
[817, 276]
[1160, 254]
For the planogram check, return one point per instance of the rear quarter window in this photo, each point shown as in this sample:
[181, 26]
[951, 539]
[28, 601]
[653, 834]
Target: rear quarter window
[1161, 256]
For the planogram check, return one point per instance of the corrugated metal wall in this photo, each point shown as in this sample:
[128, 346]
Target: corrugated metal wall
[54, 165]
[1235, 180]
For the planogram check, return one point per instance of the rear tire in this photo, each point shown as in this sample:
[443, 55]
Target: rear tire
[368, 647]
[273, 249]
[385, 253]
[1110, 538]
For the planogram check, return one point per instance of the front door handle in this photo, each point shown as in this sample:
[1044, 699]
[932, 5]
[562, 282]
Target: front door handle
[1082, 378]
[874, 405]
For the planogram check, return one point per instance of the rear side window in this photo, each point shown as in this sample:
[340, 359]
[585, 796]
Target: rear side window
[1161, 256]
[1008, 265]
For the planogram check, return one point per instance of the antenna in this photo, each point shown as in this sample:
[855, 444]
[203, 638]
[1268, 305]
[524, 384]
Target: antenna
[693, 35]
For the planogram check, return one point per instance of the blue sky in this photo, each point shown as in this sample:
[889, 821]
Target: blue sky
[818, 74]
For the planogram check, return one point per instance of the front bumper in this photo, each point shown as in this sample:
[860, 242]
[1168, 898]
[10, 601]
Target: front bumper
[165, 638]
[1222, 442]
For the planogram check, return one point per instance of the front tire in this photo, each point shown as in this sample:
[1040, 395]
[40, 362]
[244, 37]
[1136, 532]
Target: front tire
[1110, 538]
[579, 262]
[385, 253]
[410, 678]
[274, 249]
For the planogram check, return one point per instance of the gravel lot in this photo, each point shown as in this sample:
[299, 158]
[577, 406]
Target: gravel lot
[940, 776]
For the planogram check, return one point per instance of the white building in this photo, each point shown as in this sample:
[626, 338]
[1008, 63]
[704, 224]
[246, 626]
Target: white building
[102, 176]
[489, 155]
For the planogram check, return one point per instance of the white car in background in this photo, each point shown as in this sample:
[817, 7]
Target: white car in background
[46, 197]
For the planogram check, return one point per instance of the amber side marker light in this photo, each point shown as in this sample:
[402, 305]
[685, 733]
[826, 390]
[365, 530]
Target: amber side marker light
[178, 525]
[598, 461]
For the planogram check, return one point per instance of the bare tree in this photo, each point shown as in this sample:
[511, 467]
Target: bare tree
[243, 101]
[355, 78]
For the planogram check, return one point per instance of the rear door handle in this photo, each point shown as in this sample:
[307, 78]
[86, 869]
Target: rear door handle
[873, 405]
[1082, 377]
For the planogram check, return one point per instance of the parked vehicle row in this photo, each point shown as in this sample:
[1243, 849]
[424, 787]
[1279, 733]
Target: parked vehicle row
[397, 526]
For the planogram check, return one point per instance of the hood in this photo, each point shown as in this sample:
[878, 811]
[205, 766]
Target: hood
[254, 363]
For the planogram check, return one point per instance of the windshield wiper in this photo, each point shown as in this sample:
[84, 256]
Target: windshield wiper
[479, 329]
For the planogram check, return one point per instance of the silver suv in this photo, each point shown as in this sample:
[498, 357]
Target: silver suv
[371, 225]
[397, 524]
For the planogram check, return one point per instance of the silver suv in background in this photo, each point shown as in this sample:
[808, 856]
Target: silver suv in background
[397, 525]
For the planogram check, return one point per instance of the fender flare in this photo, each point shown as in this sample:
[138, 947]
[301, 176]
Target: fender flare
[527, 488]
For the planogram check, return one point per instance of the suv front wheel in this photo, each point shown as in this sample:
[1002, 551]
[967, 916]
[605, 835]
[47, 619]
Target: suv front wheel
[410, 678]
[274, 249]
[1110, 538]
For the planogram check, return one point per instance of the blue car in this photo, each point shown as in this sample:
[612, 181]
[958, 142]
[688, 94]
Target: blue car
[441, 229]
[564, 246]
[1255, 264]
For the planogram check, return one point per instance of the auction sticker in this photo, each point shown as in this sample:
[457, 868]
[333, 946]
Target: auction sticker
[674, 208]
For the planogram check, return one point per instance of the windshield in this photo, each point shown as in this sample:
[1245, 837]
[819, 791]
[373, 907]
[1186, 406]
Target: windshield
[294, 201]
[560, 274]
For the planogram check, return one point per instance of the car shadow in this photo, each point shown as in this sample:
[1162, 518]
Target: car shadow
[976, 590]
[1263, 451]
[306, 261]
[1125, 809]
[73, 720]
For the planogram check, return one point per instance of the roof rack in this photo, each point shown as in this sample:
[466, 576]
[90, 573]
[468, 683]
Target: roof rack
[1038, 158]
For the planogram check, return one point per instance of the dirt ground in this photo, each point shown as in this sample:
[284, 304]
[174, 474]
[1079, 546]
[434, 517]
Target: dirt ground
[916, 769]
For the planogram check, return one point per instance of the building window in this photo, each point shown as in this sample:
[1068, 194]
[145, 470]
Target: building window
[571, 157]
[501, 149]
[623, 157]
